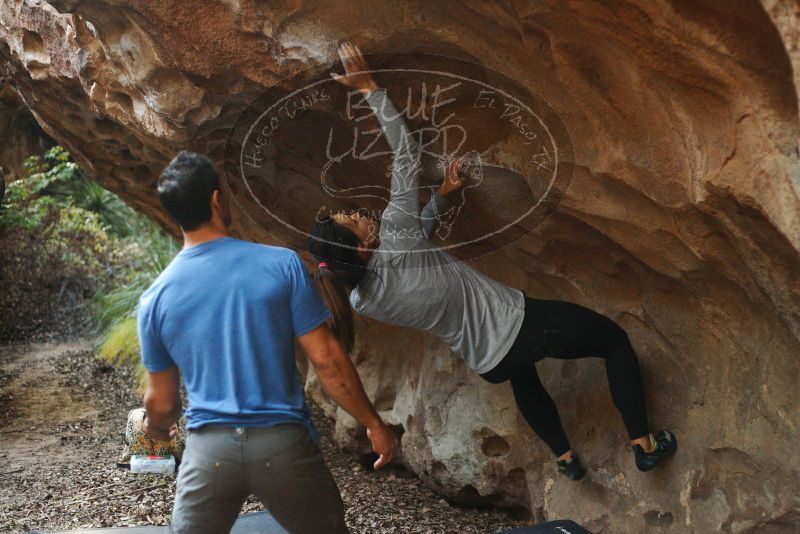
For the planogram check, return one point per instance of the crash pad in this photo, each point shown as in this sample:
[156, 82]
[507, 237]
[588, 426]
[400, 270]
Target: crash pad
[560, 526]
[256, 523]
[263, 523]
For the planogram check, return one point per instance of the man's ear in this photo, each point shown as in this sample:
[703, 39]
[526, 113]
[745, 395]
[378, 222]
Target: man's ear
[220, 205]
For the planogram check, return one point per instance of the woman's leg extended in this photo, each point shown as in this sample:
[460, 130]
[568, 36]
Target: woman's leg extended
[536, 405]
[539, 409]
[566, 331]
[627, 389]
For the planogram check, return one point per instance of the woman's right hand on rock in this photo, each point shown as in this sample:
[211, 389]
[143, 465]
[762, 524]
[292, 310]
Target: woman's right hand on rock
[453, 180]
[357, 73]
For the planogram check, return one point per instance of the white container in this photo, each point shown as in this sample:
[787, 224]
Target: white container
[164, 465]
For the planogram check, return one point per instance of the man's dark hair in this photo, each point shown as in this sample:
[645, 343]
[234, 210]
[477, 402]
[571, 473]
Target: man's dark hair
[185, 187]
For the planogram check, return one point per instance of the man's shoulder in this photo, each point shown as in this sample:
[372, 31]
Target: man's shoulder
[261, 250]
[280, 262]
[152, 292]
[151, 295]
[163, 284]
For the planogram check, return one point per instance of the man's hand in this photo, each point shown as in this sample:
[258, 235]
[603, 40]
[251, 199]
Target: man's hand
[384, 443]
[452, 180]
[158, 434]
[340, 381]
[357, 71]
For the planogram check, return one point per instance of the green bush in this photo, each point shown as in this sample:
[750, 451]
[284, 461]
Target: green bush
[116, 309]
[148, 251]
[120, 347]
[75, 237]
[55, 182]
[26, 203]
[91, 240]
[55, 254]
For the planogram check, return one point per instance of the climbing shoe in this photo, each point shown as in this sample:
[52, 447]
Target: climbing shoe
[666, 444]
[572, 468]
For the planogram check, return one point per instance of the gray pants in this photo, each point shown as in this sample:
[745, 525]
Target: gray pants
[280, 465]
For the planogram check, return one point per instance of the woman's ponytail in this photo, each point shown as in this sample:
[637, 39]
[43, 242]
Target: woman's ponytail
[340, 271]
[336, 296]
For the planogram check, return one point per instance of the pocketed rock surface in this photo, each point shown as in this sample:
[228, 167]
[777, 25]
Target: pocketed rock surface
[61, 418]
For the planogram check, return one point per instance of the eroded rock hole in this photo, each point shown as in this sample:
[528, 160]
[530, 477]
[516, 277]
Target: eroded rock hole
[657, 518]
[32, 43]
[494, 445]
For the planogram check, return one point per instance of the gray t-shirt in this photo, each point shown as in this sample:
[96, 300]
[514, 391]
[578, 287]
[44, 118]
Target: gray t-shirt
[411, 282]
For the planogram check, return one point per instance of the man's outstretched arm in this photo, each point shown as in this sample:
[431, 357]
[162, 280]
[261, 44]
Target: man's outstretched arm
[341, 383]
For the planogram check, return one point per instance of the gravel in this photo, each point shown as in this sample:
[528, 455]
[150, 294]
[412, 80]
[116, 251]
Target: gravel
[62, 413]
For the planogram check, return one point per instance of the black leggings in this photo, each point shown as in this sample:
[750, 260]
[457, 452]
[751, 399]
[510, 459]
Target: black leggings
[558, 329]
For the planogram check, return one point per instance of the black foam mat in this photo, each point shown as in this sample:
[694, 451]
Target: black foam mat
[257, 523]
[560, 526]
[263, 523]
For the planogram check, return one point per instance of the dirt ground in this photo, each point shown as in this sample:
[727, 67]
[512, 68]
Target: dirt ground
[61, 417]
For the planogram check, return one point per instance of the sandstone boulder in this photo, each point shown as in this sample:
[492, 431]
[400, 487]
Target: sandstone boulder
[21, 133]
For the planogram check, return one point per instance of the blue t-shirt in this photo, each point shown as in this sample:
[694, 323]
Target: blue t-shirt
[226, 313]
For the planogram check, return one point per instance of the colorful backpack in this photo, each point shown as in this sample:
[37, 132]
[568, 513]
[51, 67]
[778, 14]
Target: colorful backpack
[136, 441]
